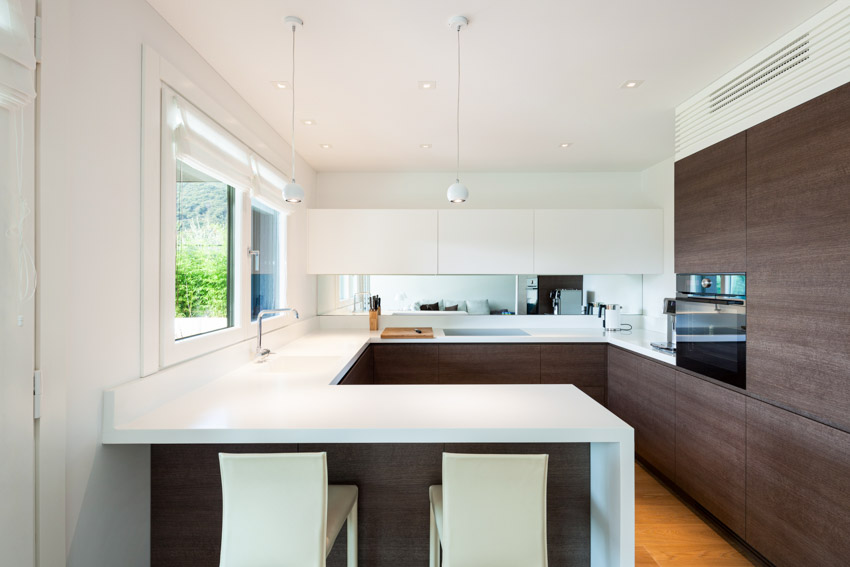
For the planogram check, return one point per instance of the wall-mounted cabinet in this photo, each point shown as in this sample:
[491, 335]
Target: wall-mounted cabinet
[501, 241]
[598, 241]
[711, 209]
[366, 241]
[486, 242]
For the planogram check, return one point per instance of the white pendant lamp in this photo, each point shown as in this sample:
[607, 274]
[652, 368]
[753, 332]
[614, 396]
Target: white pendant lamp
[292, 192]
[458, 193]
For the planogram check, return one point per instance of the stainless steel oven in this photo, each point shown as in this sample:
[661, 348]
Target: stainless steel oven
[711, 326]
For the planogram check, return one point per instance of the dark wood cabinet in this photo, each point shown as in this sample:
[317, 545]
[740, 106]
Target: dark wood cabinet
[711, 209]
[643, 394]
[363, 371]
[711, 448]
[579, 364]
[405, 364]
[798, 492]
[489, 364]
[798, 258]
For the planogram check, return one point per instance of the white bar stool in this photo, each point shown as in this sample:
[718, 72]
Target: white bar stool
[279, 510]
[490, 510]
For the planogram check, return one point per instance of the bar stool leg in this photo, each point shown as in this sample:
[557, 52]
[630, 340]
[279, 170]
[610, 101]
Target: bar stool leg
[351, 536]
[434, 554]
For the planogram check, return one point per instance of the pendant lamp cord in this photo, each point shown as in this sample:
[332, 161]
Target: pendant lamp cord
[293, 103]
[457, 170]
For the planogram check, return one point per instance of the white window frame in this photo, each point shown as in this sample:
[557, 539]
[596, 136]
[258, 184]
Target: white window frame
[159, 349]
[269, 322]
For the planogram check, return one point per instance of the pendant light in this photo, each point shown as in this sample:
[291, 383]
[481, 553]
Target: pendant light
[292, 192]
[458, 193]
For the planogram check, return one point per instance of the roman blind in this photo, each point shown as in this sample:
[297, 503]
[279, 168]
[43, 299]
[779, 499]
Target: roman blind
[17, 60]
[205, 145]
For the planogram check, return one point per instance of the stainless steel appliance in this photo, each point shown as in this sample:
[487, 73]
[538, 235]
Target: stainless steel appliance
[610, 315]
[566, 301]
[711, 326]
[669, 310]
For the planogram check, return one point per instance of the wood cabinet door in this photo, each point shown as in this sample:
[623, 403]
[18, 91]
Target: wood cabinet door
[363, 371]
[711, 209]
[585, 365]
[798, 258]
[405, 364]
[643, 394]
[489, 364]
[711, 448]
[798, 492]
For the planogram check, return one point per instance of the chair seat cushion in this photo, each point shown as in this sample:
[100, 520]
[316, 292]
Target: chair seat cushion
[341, 499]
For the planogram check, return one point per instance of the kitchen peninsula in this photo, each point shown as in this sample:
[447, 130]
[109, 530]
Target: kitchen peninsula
[386, 438]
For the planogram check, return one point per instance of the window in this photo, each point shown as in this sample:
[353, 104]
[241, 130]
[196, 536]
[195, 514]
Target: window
[347, 288]
[214, 221]
[203, 271]
[266, 259]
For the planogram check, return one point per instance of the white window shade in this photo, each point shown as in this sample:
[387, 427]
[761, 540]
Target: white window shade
[17, 60]
[203, 144]
[270, 181]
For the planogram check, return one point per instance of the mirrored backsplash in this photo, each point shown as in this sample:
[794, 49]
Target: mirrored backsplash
[522, 294]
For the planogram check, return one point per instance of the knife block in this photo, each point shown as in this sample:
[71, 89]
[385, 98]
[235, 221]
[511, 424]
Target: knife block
[373, 320]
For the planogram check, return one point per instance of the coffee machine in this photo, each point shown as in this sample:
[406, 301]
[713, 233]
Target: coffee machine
[670, 311]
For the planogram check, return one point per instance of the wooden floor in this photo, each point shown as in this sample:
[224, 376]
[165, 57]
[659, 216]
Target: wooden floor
[668, 533]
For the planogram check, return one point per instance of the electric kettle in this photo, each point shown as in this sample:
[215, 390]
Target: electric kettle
[610, 315]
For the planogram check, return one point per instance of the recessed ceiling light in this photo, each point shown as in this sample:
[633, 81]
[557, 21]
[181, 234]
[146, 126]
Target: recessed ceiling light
[281, 84]
[428, 85]
[425, 146]
[631, 84]
[309, 122]
[565, 144]
[325, 146]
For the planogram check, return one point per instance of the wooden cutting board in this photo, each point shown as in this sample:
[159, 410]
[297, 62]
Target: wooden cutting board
[407, 333]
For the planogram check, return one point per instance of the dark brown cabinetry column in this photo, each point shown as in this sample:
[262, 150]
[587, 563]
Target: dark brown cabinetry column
[711, 209]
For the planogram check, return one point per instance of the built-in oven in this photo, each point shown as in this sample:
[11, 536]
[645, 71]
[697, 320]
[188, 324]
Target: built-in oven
[711, 326]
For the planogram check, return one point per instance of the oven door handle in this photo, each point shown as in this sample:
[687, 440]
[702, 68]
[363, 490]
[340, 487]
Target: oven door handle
[712, 301]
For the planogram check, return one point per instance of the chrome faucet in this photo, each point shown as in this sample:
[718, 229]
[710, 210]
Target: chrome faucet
[262, 353]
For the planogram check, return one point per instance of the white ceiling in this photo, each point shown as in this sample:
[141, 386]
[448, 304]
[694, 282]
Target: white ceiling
[535, 73]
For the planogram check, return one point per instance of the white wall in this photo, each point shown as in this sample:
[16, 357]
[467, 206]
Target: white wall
[89, 238]
[657, 182]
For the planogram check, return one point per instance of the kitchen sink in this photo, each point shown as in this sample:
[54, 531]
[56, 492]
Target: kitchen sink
[485, 333]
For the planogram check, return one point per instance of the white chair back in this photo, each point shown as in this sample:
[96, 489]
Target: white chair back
[494, 510]
[275, 509]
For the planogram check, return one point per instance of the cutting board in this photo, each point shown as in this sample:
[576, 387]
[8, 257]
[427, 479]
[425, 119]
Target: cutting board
[407, 333]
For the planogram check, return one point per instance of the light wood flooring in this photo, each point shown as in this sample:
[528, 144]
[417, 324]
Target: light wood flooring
[668, 533]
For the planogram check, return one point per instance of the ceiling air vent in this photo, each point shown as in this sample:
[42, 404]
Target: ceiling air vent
[781, 61]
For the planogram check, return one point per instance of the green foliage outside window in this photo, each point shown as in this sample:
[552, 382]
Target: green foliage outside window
[202, 250]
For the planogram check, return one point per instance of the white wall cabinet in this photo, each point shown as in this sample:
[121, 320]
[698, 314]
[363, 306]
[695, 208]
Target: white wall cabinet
[598, 241]
[492, 241]
[373, 241]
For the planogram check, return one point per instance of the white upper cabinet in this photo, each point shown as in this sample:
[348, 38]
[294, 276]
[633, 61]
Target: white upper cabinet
[486, 242]
[598, 241]
[373, 241]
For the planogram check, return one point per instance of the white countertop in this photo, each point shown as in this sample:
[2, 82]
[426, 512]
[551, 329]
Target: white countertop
[291, 399]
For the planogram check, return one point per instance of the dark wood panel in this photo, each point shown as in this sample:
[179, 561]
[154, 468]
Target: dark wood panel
[393, 513]
[623, 379]
[567, 495]
[186, 502]
[655, 431]
[579, 364]
[598, 393]
[363, 371]
[798, 494]
[711, 448]
[711, 208]
[405, 364]
[393, 481]
[798, 243]
[489, 364]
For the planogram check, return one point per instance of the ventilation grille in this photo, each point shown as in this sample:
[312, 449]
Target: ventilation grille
[809, 61]
[783, 60]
